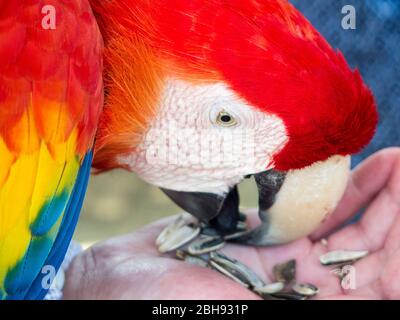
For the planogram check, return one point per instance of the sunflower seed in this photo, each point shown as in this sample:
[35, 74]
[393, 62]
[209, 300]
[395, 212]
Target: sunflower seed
[305, 289]
[178, 238]
[209, 231]
[270, 288]
[237, 277]
[171, 228]
[235, 270]
[205, 245]
[198, 261]
[285, 272]
[341, 257]
[234, 235]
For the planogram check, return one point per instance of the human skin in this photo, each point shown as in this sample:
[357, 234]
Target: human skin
[130, 267]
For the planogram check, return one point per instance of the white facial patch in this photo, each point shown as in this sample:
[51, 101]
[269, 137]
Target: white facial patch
[188, 147]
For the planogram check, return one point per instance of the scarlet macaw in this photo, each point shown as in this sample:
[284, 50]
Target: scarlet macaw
[251, 70]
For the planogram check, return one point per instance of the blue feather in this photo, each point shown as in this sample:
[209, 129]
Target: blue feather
[49, 214]
[59, 247]
[67, 228]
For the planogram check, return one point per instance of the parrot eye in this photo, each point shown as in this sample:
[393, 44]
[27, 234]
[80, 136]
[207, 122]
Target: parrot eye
[224, 119]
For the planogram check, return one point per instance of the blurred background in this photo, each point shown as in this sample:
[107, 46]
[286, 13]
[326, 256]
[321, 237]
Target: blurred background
[118, 202]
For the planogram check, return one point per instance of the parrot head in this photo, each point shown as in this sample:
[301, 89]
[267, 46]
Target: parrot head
[202, 94]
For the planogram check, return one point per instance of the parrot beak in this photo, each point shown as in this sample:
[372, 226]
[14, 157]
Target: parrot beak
[294, 204]
[291, 204]
[219, 211]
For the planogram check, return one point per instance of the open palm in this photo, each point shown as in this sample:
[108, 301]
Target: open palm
[130, 267]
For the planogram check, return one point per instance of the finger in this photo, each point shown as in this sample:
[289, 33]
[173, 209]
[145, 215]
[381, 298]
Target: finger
[391, 277]
[379, 218]
[365, 183]
[392, 244]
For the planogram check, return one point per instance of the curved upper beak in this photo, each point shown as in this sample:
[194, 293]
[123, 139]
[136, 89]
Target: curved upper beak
[220, 211]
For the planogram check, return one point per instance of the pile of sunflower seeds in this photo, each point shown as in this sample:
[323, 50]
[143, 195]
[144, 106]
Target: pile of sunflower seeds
[197, 237]
[198, 244]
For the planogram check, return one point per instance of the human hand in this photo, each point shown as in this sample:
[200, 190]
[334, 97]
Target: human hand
[130, 267]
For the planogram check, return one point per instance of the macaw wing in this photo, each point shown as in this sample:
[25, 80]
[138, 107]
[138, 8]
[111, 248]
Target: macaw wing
[51, 96]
